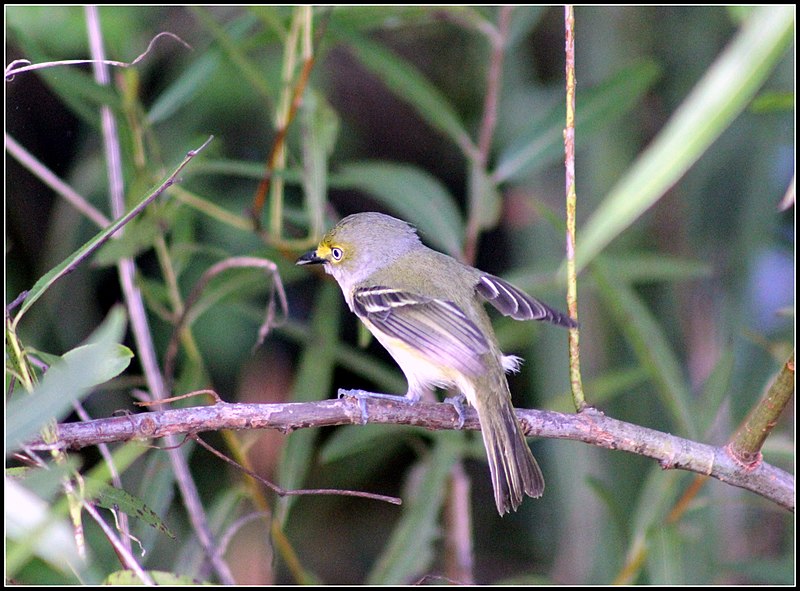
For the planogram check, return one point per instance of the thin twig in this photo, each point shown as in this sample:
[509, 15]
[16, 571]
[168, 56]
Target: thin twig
[494, 77]
[44, 174]
[480, 156]
[283, 492]
[127, 558]
[83, 253]
[230, 263]
[285, 121]
[138, 316]
[15, 68]
[590, 426]
[576, 383]
[745, 445]
[115, 478]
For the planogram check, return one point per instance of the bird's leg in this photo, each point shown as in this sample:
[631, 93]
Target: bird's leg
[457, 402]
[411, 397]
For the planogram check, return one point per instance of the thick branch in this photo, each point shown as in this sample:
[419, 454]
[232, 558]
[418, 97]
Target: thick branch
[590, 427]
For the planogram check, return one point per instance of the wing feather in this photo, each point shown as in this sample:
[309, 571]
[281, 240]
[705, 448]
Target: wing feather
[512, 301]
[438, 329]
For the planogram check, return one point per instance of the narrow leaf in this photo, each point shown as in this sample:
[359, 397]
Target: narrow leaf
[117, 499]
[185, 88]
[76, 258]
[646, 267]
[411, 193]
[80, 370]
[485, 199]
[410, 548]
[320, 126]
[716, 388]
[665, 565]
[367, 18]
[712, 106]
[541, 143]
[408, 84]
[651, 346]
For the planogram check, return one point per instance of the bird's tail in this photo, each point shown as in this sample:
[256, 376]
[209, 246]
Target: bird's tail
[513, 468]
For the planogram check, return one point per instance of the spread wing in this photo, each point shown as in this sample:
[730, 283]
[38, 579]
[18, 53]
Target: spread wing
[437, 329]
[517, 304]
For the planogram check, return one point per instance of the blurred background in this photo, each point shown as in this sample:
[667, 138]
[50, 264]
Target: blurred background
[686, 314]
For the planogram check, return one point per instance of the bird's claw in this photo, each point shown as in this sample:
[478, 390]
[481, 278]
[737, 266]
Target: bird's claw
[362, 396]
[457, 402]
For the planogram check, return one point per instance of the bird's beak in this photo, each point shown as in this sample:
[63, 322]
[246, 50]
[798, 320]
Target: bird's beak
[310, 258]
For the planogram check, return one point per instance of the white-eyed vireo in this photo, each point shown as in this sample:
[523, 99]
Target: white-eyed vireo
[426, 308]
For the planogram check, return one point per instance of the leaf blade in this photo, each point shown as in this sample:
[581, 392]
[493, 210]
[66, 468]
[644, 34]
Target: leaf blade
[710, 108]
[408, 84]
[82, 368]
[413, 194]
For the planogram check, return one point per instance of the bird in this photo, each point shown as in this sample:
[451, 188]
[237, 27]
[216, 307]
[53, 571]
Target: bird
[427, 309]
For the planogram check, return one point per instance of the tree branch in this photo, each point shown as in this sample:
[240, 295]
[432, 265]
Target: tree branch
[589, 426]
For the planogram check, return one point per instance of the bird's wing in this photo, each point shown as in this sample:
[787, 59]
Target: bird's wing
[437, 329]
[512, 301]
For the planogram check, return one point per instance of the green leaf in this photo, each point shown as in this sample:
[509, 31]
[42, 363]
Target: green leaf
[712, 106]
[615, 506]
[655, 500]
[360, 453]
[76, 258]
[715, 390]
[320, 129]
[603, 388]
[141, 235]
[773, 102]
[186, 87]
[47, 481]
[650, 344]
[366, 18]
[647, 267]
[541, 143]
[117, 499]
[408, 84]
[127, 578]
[157, 490]
[47, 484]
[411, 193]
[485, 199]
[410, 548]
[664, 561]
[352, 441]
[81, 369]
[229, 41]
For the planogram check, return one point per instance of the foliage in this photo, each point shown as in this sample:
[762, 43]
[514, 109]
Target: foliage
[685, 293]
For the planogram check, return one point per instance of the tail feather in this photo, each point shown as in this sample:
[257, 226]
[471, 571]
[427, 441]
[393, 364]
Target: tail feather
[514, 470]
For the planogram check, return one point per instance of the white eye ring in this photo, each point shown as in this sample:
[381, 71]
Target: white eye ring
[337, 253]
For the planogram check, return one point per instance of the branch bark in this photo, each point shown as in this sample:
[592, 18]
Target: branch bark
[589, 426]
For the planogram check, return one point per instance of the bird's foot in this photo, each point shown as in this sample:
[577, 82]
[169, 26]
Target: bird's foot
[457, 402]
[362, 396]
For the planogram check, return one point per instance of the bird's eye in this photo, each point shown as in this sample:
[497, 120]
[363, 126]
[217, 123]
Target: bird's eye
[337, 253]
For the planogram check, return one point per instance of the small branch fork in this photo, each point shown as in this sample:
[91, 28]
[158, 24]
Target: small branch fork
[590, 426]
